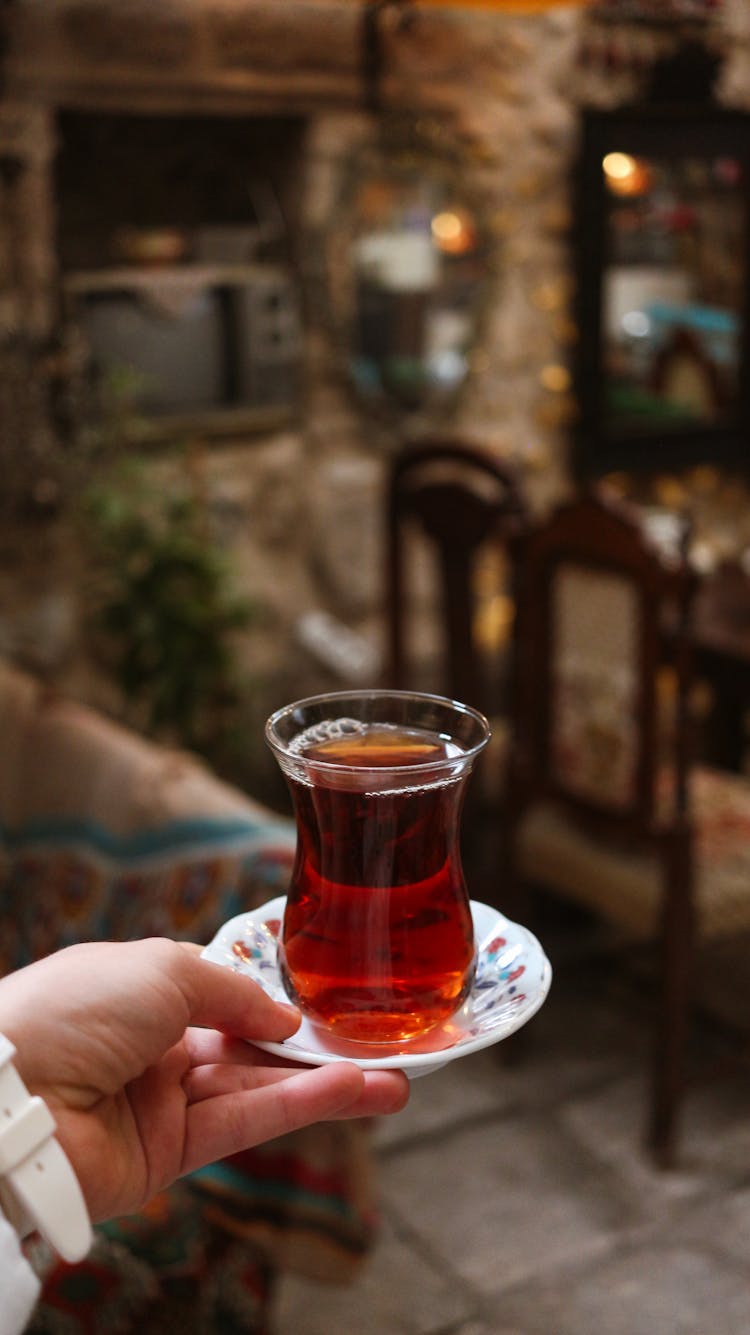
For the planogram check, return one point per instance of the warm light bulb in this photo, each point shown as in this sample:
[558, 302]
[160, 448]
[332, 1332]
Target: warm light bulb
[446, 226]
[626, 175]
[453, 232]
[619, 166]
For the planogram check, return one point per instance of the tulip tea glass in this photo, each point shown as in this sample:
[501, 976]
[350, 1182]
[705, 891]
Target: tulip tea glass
[377, 943]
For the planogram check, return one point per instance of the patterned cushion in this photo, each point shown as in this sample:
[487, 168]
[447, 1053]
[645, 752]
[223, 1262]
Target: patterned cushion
[624, 884]
[593, 703]
[68, 881]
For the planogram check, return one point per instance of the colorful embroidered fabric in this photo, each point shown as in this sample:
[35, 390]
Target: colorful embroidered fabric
[106, 836]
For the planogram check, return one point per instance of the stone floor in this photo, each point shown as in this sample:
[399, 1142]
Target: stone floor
[518, 1200]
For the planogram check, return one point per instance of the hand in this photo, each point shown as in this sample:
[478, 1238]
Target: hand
[104, 1033]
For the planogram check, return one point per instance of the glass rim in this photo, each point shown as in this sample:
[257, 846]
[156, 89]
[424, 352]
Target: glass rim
[364, 693]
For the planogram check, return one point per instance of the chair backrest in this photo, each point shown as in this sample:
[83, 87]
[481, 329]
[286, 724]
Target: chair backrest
[599, 611]
[459, 498]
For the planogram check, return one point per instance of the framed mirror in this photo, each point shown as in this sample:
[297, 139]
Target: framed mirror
[663, 282]
[407, 259]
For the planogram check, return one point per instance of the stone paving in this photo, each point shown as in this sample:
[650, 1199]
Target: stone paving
[518, 1199]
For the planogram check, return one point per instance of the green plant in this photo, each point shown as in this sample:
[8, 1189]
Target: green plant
[164, 613]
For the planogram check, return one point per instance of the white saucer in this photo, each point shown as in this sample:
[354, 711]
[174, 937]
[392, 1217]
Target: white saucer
[512, 980]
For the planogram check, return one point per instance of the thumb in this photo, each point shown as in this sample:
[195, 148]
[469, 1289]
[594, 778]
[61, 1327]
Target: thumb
[221, 998]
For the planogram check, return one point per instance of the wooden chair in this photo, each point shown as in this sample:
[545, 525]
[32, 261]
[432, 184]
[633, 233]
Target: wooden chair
[460, 499]
[461, 504]
[603, 805]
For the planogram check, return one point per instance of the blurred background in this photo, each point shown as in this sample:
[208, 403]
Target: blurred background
[249, 251]
[251, 255]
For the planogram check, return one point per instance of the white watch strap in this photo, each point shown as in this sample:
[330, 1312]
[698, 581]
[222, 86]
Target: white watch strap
[34, 1169]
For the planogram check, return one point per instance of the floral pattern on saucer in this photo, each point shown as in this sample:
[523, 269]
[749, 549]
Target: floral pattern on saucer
[497, 987]
[512, 980]
[251, 947]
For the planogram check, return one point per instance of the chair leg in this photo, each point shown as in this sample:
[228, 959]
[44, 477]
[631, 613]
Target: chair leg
[673, 1018]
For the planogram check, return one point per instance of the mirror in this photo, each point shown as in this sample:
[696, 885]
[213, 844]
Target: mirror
[407, 265]
[663, 288]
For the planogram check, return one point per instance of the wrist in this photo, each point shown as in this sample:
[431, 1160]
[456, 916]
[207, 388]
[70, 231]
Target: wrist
[38, 1187]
